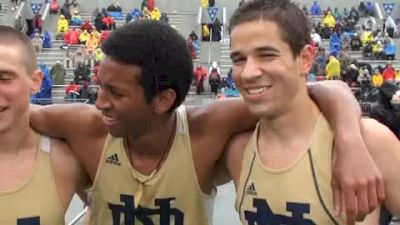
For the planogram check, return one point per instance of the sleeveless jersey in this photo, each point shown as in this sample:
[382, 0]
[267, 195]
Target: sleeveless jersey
[298, 194]
[37, 201]
[172, 197]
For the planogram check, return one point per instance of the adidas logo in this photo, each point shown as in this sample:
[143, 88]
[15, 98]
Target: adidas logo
[251, 189]
[113, 159]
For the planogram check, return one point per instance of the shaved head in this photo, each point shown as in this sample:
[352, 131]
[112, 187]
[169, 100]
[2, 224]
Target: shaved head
[15, 38]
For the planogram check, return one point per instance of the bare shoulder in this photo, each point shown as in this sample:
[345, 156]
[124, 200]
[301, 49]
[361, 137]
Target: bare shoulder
[234, 153]
[62, 120]
[378, 137]
[70, 177]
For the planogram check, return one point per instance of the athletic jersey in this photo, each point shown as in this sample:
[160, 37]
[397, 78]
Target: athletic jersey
[36, 202]
[300, 194]
[171, 197]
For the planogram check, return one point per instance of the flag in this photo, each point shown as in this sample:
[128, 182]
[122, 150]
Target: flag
[36, 7]
[388, 7]
[213, 12]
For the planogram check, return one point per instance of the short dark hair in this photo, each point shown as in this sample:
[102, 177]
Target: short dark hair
[159, 50]
[293, 23]
[12, 36]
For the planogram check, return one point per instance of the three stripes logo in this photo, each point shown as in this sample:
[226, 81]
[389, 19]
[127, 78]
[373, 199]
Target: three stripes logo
[113, 159]
[251, 189]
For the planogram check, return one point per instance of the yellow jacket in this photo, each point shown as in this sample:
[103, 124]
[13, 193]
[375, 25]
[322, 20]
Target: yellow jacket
[204, 3]
[329, 20]
[155, 14]
[92, 43]
[377, 80]
[366, 37]
[84, 36]
[397, 78]
[332, 68]
[62, 25]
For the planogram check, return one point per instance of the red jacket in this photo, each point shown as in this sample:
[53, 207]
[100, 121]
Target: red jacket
[200, 73]
[150, 5]
[389, 74]
[72, 87]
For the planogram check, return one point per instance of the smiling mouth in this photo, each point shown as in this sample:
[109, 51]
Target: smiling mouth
[256, 91]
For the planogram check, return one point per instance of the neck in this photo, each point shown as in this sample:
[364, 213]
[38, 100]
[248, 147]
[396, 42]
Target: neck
[296, 122]
[16, 138]
[157, 139]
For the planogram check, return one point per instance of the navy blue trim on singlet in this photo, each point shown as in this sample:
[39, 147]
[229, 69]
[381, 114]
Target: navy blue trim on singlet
[317, 189]
[245, 184]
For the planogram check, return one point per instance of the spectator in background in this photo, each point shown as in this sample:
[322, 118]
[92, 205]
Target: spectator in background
[84, 37]
[332, 69]
[390, 26]
[108, 23]
[376, 79]
[389, 50]
[216, 29]
[316, 38]
[81, 73]
[98, 21]
[92, 44]
[214, 79]
[14, 5]
[46, 40]
[58, 73]
[164, 18]
[76, 19]
[54, 7]
[62, 24]
[345, 12]
[362, 9]
[98, 56]
[144, 4]
[104, 35]
[37, 42]
[71, 37]
[329, 20]
[74, 6]
[211, 3]
[150, 5]
[389, 73]
[155, 14]
[205, 32]
[84, 92]
[45, 90]
[200, 75]
[65, 10]
[336, 13]
[38, 22]
[204, 3]
[72, 91]
[353, 14]
[315, 9]
[397, 75]
[112, 8]
[80, 57]
[95, 78]
[87, 26]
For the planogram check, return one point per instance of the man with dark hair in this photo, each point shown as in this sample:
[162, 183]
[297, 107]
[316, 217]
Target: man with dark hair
[291, 147]
[150, 159]
[39, 175]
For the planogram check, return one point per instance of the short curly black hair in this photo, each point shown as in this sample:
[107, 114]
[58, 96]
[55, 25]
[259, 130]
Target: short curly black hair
[159, 50]
[294, 25]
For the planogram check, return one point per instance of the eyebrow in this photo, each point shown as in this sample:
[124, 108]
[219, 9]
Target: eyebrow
[259, 49]
[6, 71]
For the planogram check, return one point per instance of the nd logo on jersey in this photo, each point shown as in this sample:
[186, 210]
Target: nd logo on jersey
[130, 213]
[29, 221]
[264, 215]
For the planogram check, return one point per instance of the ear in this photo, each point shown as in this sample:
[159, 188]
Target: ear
[306, 59]
[163, 102]
[37, 78]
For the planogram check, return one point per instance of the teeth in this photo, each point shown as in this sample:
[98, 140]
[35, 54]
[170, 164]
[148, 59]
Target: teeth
[109, 119]
[256, 91]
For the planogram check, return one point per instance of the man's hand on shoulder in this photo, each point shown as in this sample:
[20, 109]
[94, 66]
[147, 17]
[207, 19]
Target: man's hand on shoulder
[357, 183]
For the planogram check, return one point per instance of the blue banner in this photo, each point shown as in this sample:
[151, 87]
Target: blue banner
[213, 12]
[36, 7]
[388, 7]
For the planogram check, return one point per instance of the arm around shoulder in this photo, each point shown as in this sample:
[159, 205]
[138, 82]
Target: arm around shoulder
[66, 120]
[384, 147]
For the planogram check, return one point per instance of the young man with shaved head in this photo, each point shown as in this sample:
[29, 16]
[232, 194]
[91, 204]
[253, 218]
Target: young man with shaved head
[39, 174]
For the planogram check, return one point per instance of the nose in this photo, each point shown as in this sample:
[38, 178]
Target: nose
[251, 69]
[102, 102]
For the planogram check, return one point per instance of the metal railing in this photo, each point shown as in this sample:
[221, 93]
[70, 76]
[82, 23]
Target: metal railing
[51, 101]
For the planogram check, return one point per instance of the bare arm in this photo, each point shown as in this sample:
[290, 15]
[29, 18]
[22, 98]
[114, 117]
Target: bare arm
[354, 165]
[385, 150]
[66, 121]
